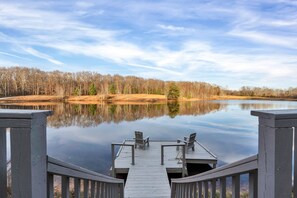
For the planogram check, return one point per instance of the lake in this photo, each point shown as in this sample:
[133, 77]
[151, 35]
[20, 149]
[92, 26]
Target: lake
[82, 133]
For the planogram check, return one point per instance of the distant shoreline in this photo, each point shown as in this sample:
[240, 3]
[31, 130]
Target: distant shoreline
[120, 98]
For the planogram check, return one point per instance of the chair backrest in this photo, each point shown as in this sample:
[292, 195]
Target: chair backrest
[138, 137]
[191, 140]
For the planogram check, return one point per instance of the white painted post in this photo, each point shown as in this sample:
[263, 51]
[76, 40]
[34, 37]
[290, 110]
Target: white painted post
[28, 151]
[275, 152]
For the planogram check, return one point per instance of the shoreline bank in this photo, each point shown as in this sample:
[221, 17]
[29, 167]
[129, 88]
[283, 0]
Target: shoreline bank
[121, 98]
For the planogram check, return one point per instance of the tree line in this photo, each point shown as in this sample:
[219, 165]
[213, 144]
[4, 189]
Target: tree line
[264, 92]
[15, 81]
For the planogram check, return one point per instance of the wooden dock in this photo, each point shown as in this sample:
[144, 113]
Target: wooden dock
[148, 178]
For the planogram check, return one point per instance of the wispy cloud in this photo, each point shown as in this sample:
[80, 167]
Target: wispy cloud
[176, 41]
[42, 55]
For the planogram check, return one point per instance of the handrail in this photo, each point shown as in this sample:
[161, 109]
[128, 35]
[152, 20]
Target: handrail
[113, 157]
[183, 156]
[239, 167]
[58, 167]
[192, 186]
[101, 185]
[206, 149]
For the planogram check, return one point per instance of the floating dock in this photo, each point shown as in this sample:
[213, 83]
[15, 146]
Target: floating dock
[147, 177]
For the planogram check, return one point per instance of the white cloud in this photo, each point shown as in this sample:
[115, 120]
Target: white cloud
[171, 27]
[42, 55]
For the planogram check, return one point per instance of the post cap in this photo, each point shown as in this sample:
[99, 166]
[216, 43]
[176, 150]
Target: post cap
[276, 114]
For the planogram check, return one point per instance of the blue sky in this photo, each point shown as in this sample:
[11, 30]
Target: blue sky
[229, 43]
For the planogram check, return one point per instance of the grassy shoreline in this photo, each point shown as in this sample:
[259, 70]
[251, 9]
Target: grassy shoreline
[121, 98]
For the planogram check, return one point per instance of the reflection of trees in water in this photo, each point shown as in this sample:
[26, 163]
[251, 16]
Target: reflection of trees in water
[173, 108]
[248, 106]
[91, 115]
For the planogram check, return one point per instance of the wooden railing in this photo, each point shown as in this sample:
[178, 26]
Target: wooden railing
[32, 172]
[94, 184]
[113, 157]
[269, 172]
[202, 184]
[183, 155]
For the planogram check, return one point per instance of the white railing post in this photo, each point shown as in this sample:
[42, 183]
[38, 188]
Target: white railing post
[275, 152]
[28, 151]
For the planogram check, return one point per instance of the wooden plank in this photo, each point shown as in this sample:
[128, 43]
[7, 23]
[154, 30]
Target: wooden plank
[150, 181]
[92, 189]
[3, 168]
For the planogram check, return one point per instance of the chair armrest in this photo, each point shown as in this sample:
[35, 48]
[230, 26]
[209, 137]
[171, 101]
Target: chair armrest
[147, 138]
[179, 140]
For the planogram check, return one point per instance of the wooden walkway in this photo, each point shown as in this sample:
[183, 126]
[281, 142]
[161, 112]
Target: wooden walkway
[148, 178]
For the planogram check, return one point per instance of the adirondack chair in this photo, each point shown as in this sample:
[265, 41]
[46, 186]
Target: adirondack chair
[189, 141]
[139, 140]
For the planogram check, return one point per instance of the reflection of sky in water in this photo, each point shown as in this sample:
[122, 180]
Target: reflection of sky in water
[231, 134]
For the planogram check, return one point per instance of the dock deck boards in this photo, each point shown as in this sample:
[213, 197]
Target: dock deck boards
[148, 178]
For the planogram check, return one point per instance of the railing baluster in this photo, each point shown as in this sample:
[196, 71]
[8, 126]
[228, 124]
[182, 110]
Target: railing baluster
[195, 190]
[110, 189]
[179, 190]
[205, 184]
[86, 188]
[191, 186]
[121, 190]
[182, 190]
[200, 189]
[65, 187]
[3, 167]
[235, 186]
[213, 188]
[98, 190]
[77, 187]
[173, 190]
[92, 189]
[50, 185]
[187, 190]
[223, 187]
[253, 185]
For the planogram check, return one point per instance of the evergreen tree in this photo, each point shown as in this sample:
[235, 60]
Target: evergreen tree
[92, 90]
[173, 92]
[112, 89]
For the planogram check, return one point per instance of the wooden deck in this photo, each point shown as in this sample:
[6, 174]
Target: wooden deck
[148, 178]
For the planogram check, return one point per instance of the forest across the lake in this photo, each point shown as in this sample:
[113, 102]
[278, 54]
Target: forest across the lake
[18, 84]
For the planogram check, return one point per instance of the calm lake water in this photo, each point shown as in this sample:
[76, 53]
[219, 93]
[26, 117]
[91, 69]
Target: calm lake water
[82, 134]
